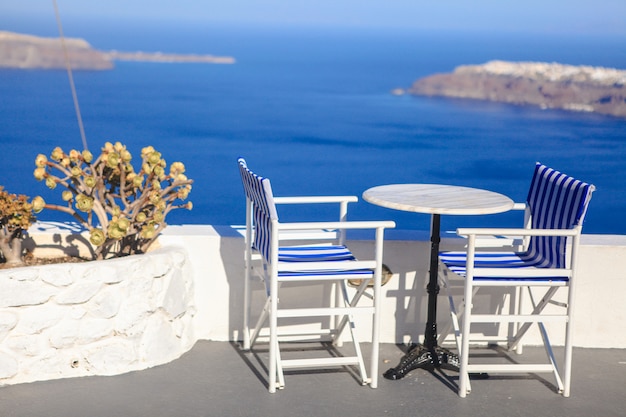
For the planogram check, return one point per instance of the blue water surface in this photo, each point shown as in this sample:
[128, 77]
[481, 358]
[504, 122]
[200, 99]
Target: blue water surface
[312, 110]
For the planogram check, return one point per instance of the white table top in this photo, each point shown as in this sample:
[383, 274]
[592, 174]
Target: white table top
[438, 199]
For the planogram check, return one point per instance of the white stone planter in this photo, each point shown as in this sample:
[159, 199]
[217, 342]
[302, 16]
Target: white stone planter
[95, 318]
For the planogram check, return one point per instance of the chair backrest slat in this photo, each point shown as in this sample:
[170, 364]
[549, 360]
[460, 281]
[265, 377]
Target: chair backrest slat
[259, 192]
[556, 201]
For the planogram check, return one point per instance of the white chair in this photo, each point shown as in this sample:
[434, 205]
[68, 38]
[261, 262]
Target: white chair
[277, 264]
[555, 209]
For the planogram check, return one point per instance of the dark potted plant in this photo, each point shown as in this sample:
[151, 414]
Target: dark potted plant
[16, 216]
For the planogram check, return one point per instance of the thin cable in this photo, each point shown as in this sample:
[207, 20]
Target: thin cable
[70, 76]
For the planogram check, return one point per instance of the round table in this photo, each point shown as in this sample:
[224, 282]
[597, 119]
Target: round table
[434, 199]
[438, 199]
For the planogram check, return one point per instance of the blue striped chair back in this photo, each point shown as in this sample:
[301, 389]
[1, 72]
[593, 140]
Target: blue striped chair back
[555, 201]
[259, 191]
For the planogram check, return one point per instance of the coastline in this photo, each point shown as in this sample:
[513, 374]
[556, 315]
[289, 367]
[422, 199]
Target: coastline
[22, 51]
[547, 85]
[167, 58]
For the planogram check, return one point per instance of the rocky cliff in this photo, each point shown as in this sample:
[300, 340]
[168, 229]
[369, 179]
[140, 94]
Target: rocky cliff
[26, 52]
[34, 52]
[548, 85]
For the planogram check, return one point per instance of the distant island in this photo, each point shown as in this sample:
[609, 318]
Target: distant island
[33, 52]
[547, 85]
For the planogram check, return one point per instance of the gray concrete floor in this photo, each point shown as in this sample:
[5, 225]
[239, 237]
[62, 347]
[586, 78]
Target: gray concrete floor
[217, 379]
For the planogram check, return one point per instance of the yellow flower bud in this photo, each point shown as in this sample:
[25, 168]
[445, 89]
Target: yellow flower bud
[158, 217]
[39, 173]
[90, 181]
[113, 160]
[189, 205]
[182, 193]
[57, 154]
[158, 171]
[51, 183]
[119, 147]
[177, 168]
[123, 224]
[76, 171]
[74, 155]
[84, 203]
[38, 204]
[115, 232]
[41, 161]
[147, 150]
[154, 157]
[155, 197]
[87, 156]
[148, 231]
[141, 217]
[108, 147]
[96, 237]
[67, 195]
[126, 156]
[65, 162]
[137, 181]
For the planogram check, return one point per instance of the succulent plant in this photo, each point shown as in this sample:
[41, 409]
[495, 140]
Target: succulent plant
[16, 216]
[123, 209]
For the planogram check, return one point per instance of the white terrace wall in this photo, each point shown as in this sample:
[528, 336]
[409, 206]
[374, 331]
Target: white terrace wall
[95, 318]
[110, 317]
[216, 254]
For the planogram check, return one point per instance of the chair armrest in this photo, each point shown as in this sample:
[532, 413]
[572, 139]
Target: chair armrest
[316, 199]
[497, 241]
[338, 225]
[516, 232]
[486, 242]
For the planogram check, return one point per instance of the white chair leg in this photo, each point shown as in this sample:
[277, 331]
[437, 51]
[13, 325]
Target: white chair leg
[551, 358]
[260, 322]
[280, 375]
[464, 382]
[246, 313]
[375, 336]
[358, 353]
[519, 298]
[273, 345]
[340, 297]
[567, 366]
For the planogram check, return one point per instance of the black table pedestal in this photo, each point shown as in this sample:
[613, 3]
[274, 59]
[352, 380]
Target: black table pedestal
[428, 355]
[419, 356]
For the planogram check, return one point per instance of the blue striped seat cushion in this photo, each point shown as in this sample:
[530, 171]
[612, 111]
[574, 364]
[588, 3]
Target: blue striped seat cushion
[328, 253]
[314, 253]
[456, 262]
[344, 274]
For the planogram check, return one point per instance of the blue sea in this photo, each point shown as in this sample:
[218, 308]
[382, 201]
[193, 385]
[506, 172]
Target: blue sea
[312, 110]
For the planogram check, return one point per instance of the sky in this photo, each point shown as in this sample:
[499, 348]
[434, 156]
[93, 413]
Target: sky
[594, 17]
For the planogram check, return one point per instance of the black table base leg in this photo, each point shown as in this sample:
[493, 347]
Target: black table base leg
[428, 355]
[419, 356]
